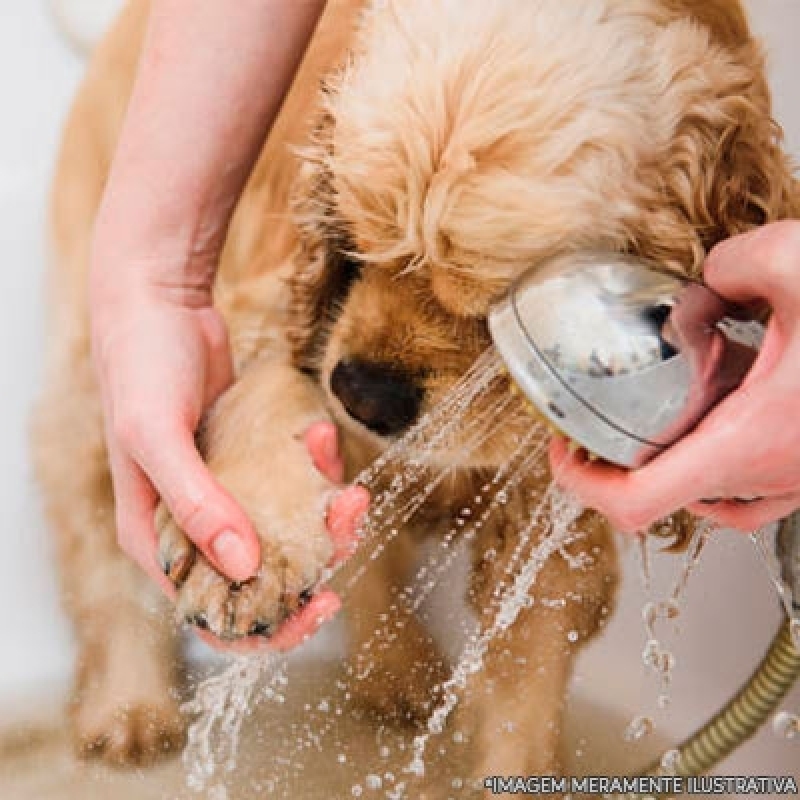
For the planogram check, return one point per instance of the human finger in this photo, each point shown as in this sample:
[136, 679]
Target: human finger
[134, 502]
[634, 499]
[322, 442]
[219, 365]
[201, 507]
[747, 516]
[345, 513]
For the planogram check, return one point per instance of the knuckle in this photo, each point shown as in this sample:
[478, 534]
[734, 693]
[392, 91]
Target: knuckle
[129, 430]
[781, 250]
[185, 512]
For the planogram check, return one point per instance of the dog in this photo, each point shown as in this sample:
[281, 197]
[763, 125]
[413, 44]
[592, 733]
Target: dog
[428, 153]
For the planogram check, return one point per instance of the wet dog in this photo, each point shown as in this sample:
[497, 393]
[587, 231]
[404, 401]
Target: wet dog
[453, 144]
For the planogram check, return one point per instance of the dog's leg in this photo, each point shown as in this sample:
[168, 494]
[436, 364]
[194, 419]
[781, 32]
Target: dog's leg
[253, 443]
[397, 662]
[124, 707]
[515, 704]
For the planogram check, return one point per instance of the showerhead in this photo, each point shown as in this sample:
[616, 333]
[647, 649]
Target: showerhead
[619, 354]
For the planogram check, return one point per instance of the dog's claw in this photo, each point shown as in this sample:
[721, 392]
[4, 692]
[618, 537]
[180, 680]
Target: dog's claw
[176, 554]
[305, 597]
[177, 570]
[199, 620]
[260, 629]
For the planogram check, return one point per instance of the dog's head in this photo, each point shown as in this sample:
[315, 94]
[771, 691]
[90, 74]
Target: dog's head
[466, 141]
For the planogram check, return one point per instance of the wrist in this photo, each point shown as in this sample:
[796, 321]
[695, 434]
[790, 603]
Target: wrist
[154, 250]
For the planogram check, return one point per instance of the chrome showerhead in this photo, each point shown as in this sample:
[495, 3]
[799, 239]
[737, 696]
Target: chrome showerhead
[621, 355]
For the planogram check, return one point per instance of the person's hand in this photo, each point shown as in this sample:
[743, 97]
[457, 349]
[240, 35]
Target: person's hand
[161, 356]
[741, 466]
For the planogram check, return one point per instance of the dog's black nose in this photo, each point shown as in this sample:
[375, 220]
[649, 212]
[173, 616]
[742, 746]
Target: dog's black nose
[381, 397]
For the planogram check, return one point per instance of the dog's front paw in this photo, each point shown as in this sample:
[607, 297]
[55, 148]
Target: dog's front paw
[291, 566]
[253, 442]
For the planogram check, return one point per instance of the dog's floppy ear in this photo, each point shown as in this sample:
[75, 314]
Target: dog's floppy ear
[325, 265]
[726, 170]
[752, 181]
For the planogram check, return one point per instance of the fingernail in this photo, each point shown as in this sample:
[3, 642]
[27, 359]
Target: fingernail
[231, 555]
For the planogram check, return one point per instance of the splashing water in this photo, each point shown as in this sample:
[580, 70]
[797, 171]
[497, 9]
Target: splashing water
[411, 597]
[691, 558]
[655, 614]
[638, 729]
[402, 479]
[786, 725]
[511, 601]
[222, 701]
[671, 762]
[220, 705]
[758, 538]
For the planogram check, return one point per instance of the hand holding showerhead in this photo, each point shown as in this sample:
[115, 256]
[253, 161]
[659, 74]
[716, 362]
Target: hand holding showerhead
[745, 446]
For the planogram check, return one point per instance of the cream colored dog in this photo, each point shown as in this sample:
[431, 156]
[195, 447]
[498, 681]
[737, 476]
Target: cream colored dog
[456, 143]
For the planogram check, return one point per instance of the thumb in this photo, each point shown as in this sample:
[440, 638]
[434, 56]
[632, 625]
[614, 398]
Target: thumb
[219, 364]
[762, 266]
[202, 508]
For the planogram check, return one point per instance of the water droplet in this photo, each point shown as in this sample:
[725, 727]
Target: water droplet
[341, 758]
[456, 783]
[373, 782]
[385, 752]
[357, 790]
[573, 636]
[669, 609]
[786, 725]
[663, 701]
[667, 662]
[417, 766]
[670, 762]
[458, 737]
[651, 654]
[638, 729]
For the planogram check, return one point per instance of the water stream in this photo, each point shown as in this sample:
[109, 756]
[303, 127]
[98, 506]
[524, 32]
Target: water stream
[401, 481]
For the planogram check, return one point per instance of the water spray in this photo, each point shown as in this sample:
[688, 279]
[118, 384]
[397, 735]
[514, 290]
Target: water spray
[624, 358]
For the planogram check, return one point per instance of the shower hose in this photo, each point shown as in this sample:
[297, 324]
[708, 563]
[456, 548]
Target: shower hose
[760, 696]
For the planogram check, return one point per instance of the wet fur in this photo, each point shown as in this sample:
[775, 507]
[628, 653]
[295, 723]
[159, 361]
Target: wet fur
[453, 145]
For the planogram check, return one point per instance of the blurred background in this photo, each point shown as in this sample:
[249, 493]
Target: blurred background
[730, 610]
